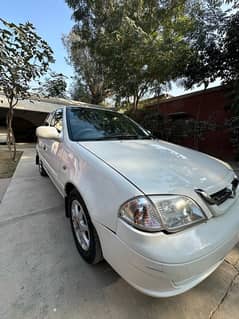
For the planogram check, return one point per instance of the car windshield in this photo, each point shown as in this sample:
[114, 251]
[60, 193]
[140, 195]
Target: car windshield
[86, 124]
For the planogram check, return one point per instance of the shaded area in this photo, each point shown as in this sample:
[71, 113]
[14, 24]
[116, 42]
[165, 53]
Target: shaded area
[8, 166]
[199, 120]
[24, 124]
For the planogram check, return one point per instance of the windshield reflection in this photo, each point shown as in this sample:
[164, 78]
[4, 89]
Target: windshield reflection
[89, 124]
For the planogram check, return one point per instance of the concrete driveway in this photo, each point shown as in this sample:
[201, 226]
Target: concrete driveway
[42, 276]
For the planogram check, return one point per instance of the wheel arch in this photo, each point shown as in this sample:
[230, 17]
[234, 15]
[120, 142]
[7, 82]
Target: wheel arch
[37, 159]
[69, 187]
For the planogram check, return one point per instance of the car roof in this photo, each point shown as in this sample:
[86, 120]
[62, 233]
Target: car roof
[93, 107]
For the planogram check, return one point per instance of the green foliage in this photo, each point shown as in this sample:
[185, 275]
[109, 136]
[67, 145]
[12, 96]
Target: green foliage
[217, 55]
[234, 3]
[173, 127]
[140, 46]
[136, 45]
[54, 86]
[230, 54]
[91, 83]
[79, 91]
[205, 44]
[24, 56]
[230, 60]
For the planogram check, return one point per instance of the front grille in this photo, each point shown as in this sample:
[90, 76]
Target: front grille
[221, 196]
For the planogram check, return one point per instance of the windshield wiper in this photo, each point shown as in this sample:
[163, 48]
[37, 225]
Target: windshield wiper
[119, 137]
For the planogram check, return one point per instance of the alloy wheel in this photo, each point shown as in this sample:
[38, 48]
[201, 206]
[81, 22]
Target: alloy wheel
[80, 225]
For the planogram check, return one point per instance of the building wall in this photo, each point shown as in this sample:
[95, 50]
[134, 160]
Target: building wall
[24, 123]
[209, 106]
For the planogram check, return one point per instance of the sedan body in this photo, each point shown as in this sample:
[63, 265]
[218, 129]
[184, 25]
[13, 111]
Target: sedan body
[162, 215]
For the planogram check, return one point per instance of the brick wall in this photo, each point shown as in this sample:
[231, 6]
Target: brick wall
[209, 106]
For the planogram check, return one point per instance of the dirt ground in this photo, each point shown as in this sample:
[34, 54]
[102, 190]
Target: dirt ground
[7, 166]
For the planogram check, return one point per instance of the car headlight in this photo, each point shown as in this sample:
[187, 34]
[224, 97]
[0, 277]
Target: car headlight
[141, 213]
[170, 213]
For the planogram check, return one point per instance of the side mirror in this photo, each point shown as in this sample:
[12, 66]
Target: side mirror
[149, 132]
[48, 132]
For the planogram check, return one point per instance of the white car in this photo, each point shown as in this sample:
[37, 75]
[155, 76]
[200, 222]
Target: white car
[162, 215]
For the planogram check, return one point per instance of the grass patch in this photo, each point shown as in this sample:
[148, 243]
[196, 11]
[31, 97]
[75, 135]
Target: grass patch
[7, 165]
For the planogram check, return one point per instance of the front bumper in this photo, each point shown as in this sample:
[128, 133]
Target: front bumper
[163, 265]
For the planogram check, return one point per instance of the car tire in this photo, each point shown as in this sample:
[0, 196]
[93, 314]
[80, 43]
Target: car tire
[84, 233]
[42, 169]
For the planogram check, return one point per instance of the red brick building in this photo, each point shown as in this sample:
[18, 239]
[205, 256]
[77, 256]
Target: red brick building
[205, 107]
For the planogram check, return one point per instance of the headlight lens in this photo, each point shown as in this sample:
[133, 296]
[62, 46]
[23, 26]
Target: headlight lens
[171, 213]
[177, 212]
[141, 213]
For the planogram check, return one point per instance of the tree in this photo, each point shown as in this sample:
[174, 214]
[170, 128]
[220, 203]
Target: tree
[90, 72]
[139, 45]
[234, 3]
[24, 56]
[53, 86]
[146, 49]
[216, 53]
[229, 68]
[79, 91]
[205, 42]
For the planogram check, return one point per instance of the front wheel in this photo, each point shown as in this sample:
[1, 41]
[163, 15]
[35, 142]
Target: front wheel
[85, 236]
[42, 169]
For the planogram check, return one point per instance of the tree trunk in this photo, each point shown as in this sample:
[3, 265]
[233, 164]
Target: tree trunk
[135, 103]
[10, 134]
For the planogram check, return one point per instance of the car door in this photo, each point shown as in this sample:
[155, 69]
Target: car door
[43, 144]
[53, 149]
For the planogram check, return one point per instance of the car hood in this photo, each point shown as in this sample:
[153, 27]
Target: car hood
[159, 167]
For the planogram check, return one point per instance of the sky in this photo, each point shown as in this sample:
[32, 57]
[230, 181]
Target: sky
[52, 19]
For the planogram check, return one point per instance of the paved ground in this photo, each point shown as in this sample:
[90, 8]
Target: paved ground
[4, 182]
[42, 276]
